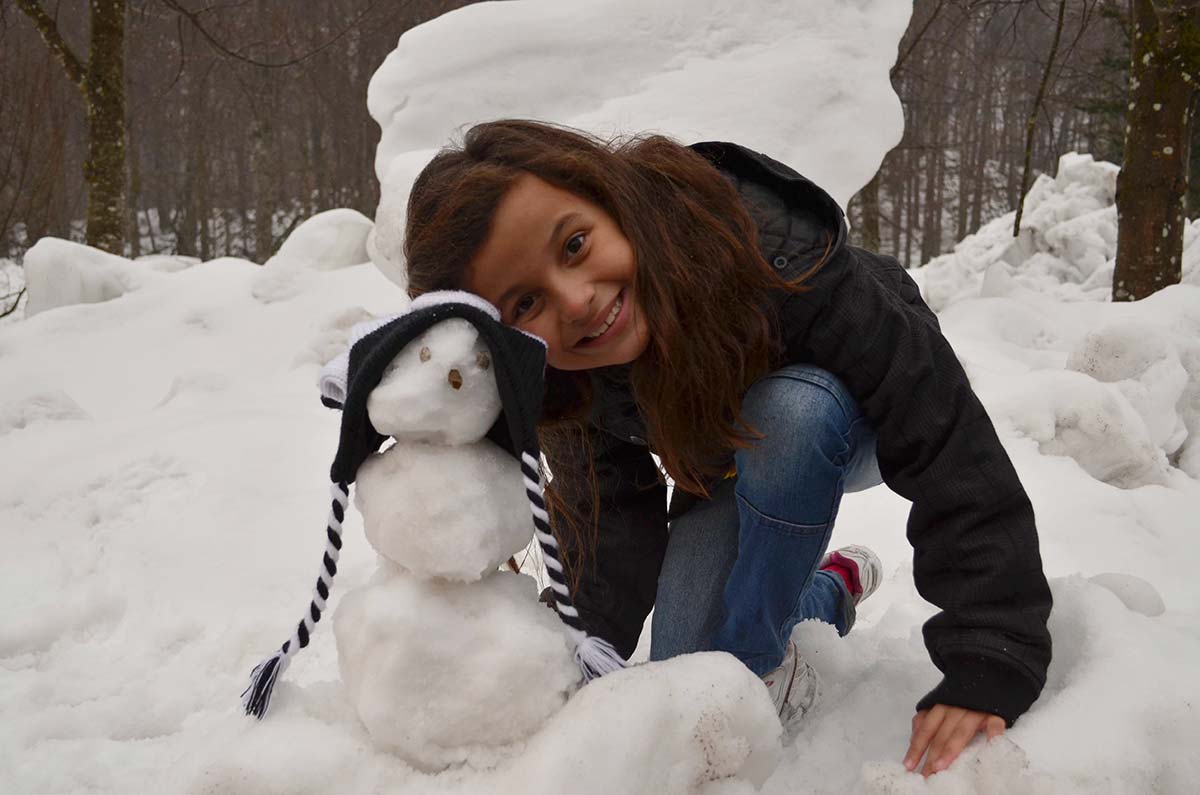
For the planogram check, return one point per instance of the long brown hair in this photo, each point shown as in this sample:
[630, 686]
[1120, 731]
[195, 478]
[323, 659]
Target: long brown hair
[702, 282]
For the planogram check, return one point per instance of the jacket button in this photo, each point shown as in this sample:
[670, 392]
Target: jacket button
[637, 440]
[780, 263]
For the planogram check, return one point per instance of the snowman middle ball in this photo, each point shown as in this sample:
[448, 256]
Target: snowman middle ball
[452, 512]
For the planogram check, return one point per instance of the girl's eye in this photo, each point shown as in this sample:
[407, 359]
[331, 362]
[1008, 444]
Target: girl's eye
[572, 239]
[523, 305]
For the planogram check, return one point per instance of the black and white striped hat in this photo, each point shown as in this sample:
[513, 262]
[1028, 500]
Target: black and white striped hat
[519, 362]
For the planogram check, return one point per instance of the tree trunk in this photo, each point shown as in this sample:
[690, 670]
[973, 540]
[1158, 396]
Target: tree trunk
[102, 83]
[135, 192]
[1153, 183]
[105, 166]
[263, 209]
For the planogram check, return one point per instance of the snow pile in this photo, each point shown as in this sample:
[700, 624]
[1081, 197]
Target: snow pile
[792, 78]
[59, 273]
[1067, 246]
[1116, 386]
[328, 240]
[720, 737]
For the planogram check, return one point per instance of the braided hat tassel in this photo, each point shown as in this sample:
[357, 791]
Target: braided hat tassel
[256, 698]
[595, 656]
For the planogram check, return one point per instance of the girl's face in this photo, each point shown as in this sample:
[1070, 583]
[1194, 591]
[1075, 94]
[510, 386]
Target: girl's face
[558, 266]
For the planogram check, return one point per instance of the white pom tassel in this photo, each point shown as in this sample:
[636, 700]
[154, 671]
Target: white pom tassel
[597, 657]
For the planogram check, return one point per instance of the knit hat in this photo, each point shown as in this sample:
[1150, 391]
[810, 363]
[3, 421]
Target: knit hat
[519, 360]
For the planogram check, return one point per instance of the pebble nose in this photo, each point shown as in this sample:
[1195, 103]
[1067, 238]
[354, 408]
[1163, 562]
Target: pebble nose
[455, 379]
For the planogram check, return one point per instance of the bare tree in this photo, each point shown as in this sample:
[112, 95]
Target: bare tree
[1031, 125]
[1164, 58]
[101, 81]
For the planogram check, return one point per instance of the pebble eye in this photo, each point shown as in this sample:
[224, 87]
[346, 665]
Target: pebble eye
[483, 361]
[425, 354]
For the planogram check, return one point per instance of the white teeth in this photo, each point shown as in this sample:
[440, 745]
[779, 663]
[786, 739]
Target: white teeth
[616, 310]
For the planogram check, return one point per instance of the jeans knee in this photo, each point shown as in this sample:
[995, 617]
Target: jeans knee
[801, 410]
[798, 390]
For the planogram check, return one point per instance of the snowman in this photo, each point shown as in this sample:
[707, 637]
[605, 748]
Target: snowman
[442, 653]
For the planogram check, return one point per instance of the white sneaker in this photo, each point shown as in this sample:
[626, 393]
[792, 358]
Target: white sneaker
[795, 689]
[864, 566]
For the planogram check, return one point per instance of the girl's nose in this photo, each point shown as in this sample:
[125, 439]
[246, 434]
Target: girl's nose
[577, 300]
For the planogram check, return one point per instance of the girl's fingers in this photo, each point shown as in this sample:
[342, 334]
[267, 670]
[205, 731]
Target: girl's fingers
[966, 729]
[995, 726]
[924, 724]
[938, 746]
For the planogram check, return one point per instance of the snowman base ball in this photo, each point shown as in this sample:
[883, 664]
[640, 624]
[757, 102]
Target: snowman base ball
[438, 668]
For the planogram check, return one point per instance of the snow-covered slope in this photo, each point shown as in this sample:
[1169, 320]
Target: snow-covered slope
[165, 459]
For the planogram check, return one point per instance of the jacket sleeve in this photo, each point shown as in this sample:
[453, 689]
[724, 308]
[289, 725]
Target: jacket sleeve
[619, 578]
[975, 544]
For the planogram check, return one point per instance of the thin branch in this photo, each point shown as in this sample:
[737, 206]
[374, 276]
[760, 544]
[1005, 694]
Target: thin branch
[1032, 124]
[54, 40]
[916, 40]
[16, 303]
[194, 18]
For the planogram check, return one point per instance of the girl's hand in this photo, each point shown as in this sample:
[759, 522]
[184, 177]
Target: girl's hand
[944, 731]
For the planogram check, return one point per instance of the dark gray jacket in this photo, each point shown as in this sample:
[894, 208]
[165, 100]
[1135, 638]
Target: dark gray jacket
[971, 524]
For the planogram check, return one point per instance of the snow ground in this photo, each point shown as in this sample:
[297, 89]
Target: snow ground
[165, 457]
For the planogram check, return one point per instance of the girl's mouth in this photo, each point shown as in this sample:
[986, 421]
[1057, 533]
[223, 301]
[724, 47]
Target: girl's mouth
[612, 324]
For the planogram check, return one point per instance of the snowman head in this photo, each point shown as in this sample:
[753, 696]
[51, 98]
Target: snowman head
[441, 388]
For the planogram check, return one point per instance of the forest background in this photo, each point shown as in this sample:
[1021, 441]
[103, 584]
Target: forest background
[244, 117]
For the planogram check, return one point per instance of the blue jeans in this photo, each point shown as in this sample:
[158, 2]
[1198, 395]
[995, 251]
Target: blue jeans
[741, 568]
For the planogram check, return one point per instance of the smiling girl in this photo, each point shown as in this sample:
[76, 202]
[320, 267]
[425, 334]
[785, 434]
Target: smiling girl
[702, 303]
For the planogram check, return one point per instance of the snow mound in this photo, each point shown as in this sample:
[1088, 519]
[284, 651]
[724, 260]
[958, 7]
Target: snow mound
[167, 263]
[430, 665]
[700, 723]
[692, 69]
[1116, 387]
[329, 240]
[415, 517]
[998, 767]
[62, 273]
[1070, 414]
[1139, 360]
[1134, 592]
[43, 406]
[695, 725]
[1067, 246]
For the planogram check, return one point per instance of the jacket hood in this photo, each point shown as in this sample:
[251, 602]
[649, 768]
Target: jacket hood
[796, 218]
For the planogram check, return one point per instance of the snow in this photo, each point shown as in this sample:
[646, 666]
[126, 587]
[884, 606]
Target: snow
[165, 465]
